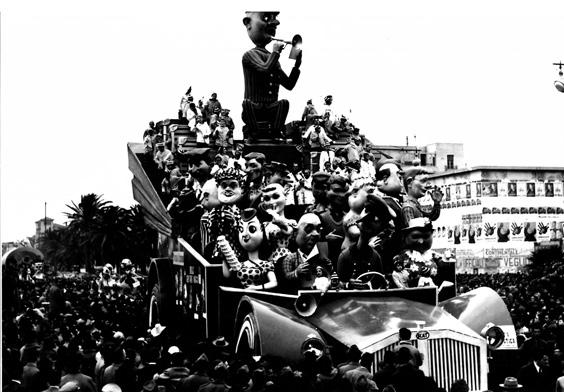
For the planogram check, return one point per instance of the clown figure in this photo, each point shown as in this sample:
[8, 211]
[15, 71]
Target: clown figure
[253, 273]
[279, 229]
[224, 219]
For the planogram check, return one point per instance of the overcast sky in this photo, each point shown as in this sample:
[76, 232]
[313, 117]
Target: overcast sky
[80, 81]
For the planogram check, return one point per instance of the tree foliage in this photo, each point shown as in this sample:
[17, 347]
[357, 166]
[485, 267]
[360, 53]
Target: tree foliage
[98, 233]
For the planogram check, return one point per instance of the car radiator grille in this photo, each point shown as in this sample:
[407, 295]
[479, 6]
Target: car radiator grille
[446, 360]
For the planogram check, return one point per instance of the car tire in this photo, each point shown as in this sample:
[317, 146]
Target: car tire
[248, 338]
[158, 307]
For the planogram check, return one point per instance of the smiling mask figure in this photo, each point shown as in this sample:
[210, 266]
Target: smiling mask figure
[250, 233]
[229, 186]
[273, 198]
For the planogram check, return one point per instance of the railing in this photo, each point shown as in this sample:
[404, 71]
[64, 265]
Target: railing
[197, 282]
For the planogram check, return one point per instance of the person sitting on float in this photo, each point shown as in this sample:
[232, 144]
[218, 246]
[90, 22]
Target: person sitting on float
[253, 273]
[375, 224]
[280, 229]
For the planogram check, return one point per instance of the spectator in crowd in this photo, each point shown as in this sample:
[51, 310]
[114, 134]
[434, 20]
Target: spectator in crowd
[353, 360]
[407, 377]
[367, 168]
[210, 107]
[148, 141]
[416, 359]
[162, 155]
[535, 375]
[223, 137]
[224, 114]
[304, 193]
[203, 130]
[316, 140]
[185, 102]
[191, 114]
[309, 114]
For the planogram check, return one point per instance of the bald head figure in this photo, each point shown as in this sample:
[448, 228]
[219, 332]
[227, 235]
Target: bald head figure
[261, 26]
[309, 232]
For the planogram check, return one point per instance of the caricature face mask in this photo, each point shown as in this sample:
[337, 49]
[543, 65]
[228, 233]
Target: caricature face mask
[389, 180]
[273, 198]
[229, 191]
[250, 234]
[209, 195]
[357, 198]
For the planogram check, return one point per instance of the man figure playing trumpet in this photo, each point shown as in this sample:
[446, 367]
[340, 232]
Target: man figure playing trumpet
[264, 75]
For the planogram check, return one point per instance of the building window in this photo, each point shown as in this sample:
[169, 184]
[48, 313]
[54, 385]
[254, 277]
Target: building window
[423, 158]
[434, 160]
[450, 161]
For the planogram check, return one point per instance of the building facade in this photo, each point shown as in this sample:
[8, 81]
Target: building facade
[492, 216]
[437, 157]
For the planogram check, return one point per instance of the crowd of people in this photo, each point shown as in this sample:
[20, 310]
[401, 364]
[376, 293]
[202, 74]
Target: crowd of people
[81, 333]
[78, 333]
[535, 300]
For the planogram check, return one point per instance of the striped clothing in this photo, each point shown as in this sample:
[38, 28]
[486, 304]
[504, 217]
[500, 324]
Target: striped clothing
[263, 76]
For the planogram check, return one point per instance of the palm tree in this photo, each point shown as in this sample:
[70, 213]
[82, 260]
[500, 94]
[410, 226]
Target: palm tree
[111, 234]
[84, 220]
[59, 250]
[142, 237]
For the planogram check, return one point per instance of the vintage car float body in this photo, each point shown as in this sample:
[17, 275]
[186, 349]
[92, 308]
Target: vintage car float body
[455, 336]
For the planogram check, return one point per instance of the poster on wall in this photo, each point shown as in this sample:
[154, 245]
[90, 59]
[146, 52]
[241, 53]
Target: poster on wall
[549, 189]
[517, 229]
[489, 189]
[490, 228]
[558, 189]
[458, 192]
[478, 189]
[521, 189]
[539, 189]
[512, 189]
[468, 191]
[502, 232]
[530, 189]
[447, 193]
[502, 189]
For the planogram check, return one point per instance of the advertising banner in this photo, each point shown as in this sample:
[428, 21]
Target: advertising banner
[498, 258]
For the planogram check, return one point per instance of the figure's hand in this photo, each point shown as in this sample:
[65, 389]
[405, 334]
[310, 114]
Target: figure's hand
[516, 229]
[543, 228]
[436, 195]
[298, 60]
[278, 47]
[489, 229]
[303, 269]
[375, 242]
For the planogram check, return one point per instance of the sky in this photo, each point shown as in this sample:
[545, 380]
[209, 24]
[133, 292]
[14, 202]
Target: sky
[81, 79]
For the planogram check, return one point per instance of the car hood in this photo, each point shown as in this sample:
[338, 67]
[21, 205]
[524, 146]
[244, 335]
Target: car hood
[368, 321]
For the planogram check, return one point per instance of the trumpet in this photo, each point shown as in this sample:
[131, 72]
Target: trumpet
[296, 45]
